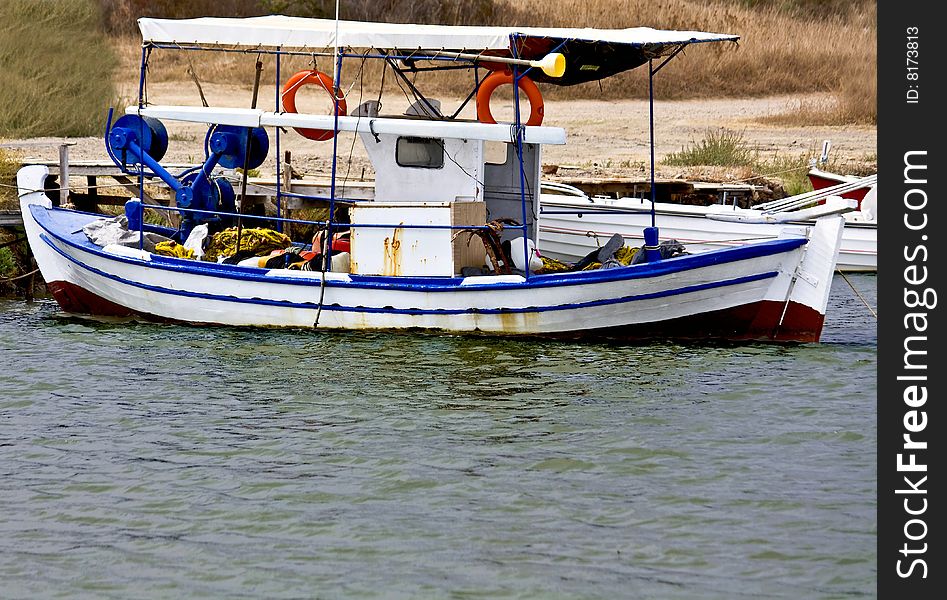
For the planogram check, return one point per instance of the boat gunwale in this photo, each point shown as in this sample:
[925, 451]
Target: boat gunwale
[669, 208]
[677, 264]
[414, 311]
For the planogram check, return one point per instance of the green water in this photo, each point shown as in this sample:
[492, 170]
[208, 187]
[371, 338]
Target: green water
[154, 461]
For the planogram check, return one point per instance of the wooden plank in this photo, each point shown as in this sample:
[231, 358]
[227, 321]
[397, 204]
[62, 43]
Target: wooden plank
[63, 174]
[287, 187]
[88, 202]
[10, 218]
[35, 144]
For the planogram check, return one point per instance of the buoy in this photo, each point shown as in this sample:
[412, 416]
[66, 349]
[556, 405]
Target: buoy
[312, 76]
[526, 85]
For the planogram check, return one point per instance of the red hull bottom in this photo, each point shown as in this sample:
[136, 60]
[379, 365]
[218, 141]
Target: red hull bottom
[819, 183]
[762, 320]
[74, 299]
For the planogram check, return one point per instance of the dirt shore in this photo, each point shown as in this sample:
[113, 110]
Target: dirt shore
[603, 137]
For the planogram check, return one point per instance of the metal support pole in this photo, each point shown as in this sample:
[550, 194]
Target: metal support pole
[651, 130]
[327, 247]
[519, 152]
[279, 202]
[651, 233]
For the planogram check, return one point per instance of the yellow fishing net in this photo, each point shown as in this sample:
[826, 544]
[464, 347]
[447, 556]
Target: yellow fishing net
[257, 241]
[624, 255]
[172, 248]
[551, 265]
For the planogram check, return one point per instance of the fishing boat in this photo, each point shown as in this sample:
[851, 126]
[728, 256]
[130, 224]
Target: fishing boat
[447, 241]
[573, 223]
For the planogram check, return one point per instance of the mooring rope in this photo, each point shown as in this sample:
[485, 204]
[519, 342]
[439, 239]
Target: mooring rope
[82, 187]
[33, 272]
[860, 297]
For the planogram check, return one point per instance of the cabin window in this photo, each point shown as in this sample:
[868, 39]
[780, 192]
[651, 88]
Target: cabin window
[425, 153]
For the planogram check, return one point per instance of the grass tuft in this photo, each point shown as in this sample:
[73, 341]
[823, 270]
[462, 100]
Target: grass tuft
[721, 148]
[788, 173]
[56, 69]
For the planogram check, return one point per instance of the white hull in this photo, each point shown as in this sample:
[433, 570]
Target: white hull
[775, 290]
[568, 233]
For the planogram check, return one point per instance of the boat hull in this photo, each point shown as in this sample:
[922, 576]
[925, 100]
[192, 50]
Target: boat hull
[571, 228]
[822, 179]
[775, 290]
[755, 321]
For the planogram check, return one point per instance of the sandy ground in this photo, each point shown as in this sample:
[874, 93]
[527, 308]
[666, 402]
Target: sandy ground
[603, 137]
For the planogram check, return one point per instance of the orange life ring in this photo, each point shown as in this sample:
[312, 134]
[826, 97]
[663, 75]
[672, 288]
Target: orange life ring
[526, 85]
[288, 96]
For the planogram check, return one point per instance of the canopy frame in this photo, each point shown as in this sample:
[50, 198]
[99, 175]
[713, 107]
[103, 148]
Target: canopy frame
[288, 36]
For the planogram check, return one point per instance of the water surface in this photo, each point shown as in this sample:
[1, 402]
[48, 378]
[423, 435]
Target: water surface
[156, 461]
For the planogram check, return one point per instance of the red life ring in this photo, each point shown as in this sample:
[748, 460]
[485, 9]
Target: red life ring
[288, 96]
[526, 85]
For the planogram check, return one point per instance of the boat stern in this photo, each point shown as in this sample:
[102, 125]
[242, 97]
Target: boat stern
[798, 299]
[56, 270]
[31, 183]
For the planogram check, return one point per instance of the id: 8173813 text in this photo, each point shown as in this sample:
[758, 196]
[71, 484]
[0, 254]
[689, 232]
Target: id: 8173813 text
[913, 74]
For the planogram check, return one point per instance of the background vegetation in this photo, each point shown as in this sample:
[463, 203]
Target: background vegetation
[786, 46]
[727, 148]
[8, 167]
[56, 68]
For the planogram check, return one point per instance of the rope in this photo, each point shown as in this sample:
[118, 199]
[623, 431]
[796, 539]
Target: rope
[860, 297]
[193, 73]
[33, 272]
[359, 79]
[86, 187]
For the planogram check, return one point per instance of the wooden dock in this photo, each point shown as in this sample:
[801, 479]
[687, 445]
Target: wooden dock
[10, 218]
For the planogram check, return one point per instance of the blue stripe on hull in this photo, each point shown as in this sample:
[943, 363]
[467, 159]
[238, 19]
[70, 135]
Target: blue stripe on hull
[78, 240]
[409, 311]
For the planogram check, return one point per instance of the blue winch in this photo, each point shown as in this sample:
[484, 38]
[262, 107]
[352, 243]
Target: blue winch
[136, 144]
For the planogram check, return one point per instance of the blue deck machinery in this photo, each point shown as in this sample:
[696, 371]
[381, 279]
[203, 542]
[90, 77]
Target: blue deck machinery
[136, 144]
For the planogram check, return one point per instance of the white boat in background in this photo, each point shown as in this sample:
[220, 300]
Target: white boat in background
[573, 223]
[414, 261]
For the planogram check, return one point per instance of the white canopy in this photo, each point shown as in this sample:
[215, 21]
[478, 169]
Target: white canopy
[277, 31]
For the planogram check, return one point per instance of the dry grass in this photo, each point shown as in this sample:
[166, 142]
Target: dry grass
[57, 69]
[9, 163]
[722, 148]
[853, 102]
[726, 148]
[790, 47]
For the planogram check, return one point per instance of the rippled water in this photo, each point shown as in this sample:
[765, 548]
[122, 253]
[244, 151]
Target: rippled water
[141, 460]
